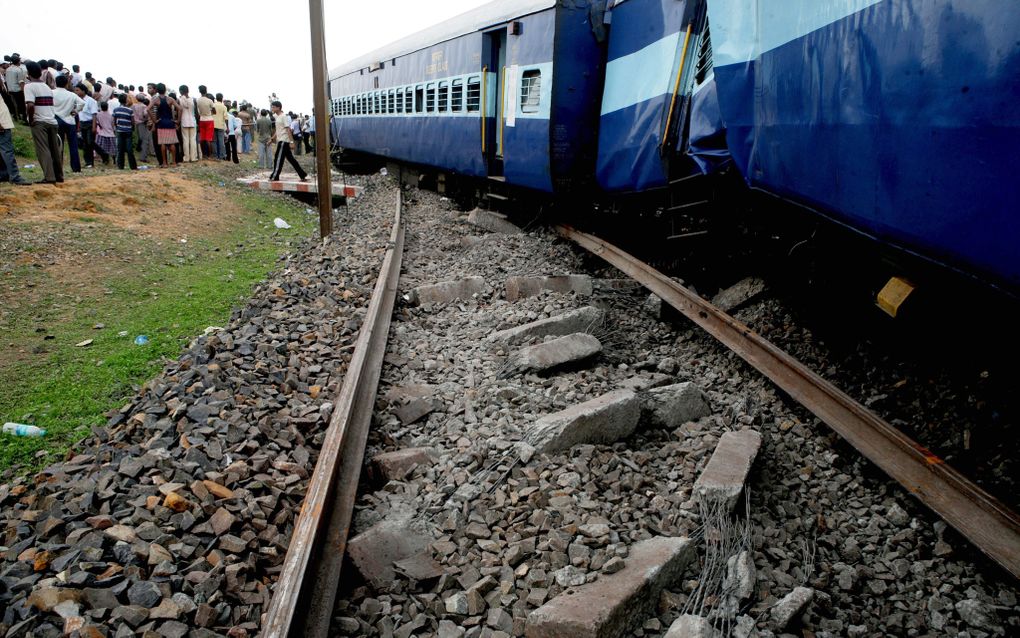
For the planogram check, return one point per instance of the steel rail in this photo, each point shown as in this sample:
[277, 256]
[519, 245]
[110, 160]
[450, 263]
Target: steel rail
[305, 592]
[988, 524]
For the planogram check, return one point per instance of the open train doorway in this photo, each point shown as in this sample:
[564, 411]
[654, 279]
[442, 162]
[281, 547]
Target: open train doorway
[493, 69]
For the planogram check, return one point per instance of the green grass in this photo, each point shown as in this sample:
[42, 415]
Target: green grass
[23, 145]
[169, 292]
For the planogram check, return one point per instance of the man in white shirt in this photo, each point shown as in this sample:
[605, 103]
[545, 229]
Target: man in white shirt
[45, 134]
[283, 137]
[85, 122]
[8, 165]
[106, 90]
[76, 76]
[66, 106]
[15, 77]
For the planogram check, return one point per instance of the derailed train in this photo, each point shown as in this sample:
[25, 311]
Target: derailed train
[899, 119]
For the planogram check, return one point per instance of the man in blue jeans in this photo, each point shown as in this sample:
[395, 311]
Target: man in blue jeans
[66, 106]
[8, 165]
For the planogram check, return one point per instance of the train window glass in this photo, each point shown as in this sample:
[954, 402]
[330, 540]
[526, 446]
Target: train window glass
[444, 98]
[409, 100]
[430, 97]
[474, 93]
[457, 96]
[531, 90]
[390, 106]
[400, 100]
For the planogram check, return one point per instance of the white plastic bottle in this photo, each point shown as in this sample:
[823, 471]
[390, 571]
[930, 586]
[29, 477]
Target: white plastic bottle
[20, 429]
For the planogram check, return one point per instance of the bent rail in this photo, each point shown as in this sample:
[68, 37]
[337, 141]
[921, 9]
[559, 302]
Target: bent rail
[988, 524]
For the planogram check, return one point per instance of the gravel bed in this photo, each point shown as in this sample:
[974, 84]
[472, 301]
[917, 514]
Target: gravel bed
[510, 529]
[173, 519]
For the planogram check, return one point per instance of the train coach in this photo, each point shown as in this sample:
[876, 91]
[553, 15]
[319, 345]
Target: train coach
[896, 119]
[899, 119]
[507, 92]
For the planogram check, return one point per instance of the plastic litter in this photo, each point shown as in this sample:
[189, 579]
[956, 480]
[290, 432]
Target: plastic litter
[383, 171]
[279, 223]
[28, 166]
[141, 340]
[309, 211]
[83, 344]
[20, 429]
[122, 333]
[143, 167]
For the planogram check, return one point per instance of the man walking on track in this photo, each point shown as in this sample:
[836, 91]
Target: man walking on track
[283, 139]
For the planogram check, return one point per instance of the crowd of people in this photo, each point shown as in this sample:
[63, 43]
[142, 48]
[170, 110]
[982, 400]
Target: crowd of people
[112, 122]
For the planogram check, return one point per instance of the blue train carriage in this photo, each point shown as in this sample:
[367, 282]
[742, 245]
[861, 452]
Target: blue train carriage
[899, 119]
[508, 91]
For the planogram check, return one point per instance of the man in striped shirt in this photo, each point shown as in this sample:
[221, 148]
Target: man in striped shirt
[124, 126]
[45, 134]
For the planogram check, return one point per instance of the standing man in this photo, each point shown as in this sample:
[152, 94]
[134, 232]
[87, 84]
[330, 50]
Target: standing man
[39, 105]
[66, 106]
[15, 76]
[8, 165]
[206, 125]
[247, 128]
[75, 75]
[283, 139]
[220, 125]
[124, 125]
[189, 126]
[264, 131]
[106, 90]
[85, 123]
[140, 119]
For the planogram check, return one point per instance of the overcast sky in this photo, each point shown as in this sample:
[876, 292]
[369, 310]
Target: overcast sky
[245, 50]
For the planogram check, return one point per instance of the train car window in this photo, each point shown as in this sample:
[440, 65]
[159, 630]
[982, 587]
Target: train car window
[419, 99]
[390, 106]
[430, 97]
[409, 100]
[531, 90]
[444, 98]
[400, 100]
[457, 96]
[474, 94]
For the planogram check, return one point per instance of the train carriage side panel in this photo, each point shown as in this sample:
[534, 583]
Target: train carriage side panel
[645, 40]
[449, 140]
[900, 118]
[525, 127]
[577, 92]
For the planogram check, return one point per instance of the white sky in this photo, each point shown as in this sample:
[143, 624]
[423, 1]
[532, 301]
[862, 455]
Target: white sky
[245, 50]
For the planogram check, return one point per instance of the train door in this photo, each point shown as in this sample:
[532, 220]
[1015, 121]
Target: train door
[493, 63]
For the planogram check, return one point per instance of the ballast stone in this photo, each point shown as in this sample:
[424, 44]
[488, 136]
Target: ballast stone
[692, 626]
[604, 419]
[375, 550]
[673, 405]
[580, 320]
[557, 352]
[722, 480]
[614, 604]
[492, 222]
[394, 466]
[447, 291]
[791, 606]
[520, 287]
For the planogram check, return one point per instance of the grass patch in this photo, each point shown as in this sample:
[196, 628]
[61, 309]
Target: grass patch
[167, 291]
[22, 138]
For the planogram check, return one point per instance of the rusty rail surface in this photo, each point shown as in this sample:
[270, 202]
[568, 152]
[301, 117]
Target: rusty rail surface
[304, 595]
[988, 524]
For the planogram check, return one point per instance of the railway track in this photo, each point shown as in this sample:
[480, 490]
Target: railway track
[304, 596]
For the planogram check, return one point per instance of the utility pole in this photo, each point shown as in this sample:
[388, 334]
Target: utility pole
[324, 176]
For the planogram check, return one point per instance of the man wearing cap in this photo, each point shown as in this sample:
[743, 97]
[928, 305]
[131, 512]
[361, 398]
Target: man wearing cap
[39, 104]
[15, 76]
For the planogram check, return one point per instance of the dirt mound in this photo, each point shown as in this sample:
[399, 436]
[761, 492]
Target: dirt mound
[156, 203]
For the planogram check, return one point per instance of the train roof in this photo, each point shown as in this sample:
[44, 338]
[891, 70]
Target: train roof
[468, 22]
